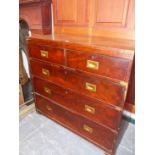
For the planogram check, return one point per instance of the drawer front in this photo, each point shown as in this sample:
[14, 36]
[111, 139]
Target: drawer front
[47, 71]
[90, 108]
[92, 131]
[95, 87]
[98, 64]
[47, 53]
[92, 86]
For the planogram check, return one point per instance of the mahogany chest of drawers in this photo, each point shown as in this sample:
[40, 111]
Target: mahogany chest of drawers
[82, 83]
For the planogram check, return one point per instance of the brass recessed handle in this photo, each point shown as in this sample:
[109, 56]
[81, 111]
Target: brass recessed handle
[44, 54]
[87, 128]
[47, 90]
[49, 108]
[89, 109]
[90, 87]
[45, 72]
[93, 64]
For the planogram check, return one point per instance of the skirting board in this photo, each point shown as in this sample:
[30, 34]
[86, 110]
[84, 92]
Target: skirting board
[25, 110]
[130, 117]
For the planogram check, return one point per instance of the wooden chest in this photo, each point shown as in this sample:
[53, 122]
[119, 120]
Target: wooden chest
[81, 83]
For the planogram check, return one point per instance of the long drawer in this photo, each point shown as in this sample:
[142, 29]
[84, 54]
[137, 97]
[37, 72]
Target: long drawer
[90, 108]
[99, 64]
[97, 134]
[95, 87]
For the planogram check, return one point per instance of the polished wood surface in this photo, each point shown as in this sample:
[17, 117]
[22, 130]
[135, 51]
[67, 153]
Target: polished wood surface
[95, 18]
[46, 53]
[130, 107]
[108, 91]
[37, 14]
[103, 114]
[105, 45]
[75, 15]
[106, 17]
[130, 100]
[107, 66]
[82, 83]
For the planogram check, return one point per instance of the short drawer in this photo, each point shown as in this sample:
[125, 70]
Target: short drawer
[99, 64]
[97, 134]
[47, 71]
[90, 108]
[54, 55]
[92, 86]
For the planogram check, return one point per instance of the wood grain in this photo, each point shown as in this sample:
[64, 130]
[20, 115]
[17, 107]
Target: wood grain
[107, 66]
[54, 55]
[67, 90]
[95, 18]
[107, 91]
[37, 14]
[75, 102]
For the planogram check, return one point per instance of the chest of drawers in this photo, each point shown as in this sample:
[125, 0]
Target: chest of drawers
[82, 83]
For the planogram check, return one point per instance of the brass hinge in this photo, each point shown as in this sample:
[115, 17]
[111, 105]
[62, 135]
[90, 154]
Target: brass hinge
[125, 86]
[125, 93]
[118, 108]
[123, 83]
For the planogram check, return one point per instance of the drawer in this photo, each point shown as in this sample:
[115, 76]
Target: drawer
[54, 55]
[101, 136]
[99, 64]
[90, 108]
[47, 71]
[94, 87]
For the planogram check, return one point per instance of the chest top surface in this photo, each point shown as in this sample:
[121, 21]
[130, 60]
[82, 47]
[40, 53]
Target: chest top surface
[99, 45]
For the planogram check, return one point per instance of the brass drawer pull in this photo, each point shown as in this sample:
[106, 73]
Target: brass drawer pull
[90, 87]
[87, 128]
[45, 71]
[92, 64]
[44, 54]
[89, 109]
[47, 90]
[49, 108]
